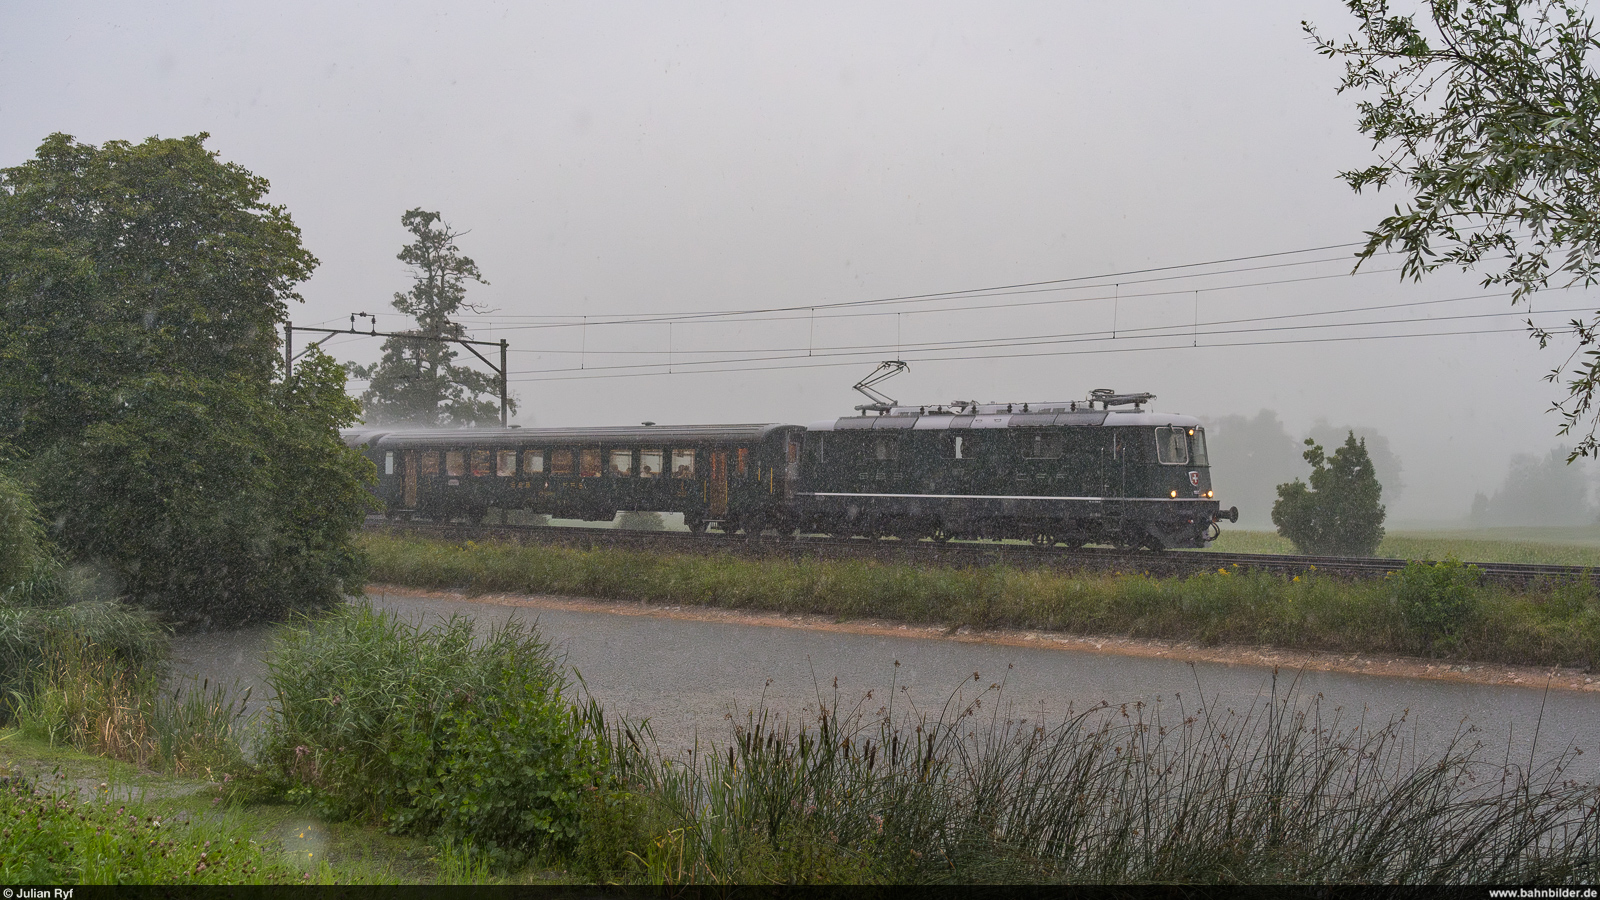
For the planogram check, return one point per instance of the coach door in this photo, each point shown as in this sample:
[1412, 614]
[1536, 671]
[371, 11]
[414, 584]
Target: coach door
[718, 485]
[411, 479]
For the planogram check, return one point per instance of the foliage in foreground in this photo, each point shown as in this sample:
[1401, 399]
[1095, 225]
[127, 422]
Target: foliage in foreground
[1557, 623]
[429, 731]
[51, 836]
[1278, 793]
[140, 286]
[1486, 116]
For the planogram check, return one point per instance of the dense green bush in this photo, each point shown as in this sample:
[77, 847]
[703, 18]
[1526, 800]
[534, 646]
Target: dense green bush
[1339, 514]
[1438, 600]
[430, 730]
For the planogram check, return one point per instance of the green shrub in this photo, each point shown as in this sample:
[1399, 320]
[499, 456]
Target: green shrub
[430, 730]
[1437, 600]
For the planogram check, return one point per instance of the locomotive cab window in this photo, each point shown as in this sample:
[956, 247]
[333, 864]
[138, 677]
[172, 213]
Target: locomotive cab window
[506, 463]
[817, 446]
[621, 463]
[1197, 447]
[455, 463]
[886, 448]
[561, 462]
[955, 446]
[533, 462]
[430, 462]
[388, 462]
[649, 463]
[741, 462]
[683, 463]
[1172, 446]
[589, 463]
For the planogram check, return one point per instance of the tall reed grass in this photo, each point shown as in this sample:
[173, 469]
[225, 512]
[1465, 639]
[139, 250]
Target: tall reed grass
[1556, 623]
[1285, 791]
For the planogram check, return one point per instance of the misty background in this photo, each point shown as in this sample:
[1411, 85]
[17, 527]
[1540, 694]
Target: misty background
[708, 212]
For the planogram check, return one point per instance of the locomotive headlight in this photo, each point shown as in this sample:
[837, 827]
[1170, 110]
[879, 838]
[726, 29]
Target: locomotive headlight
[1174, 495]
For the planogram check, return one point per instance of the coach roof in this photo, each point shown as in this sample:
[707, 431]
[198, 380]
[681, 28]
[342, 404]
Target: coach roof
[520, 437]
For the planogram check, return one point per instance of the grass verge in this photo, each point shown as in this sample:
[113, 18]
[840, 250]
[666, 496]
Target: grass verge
[1431, 610]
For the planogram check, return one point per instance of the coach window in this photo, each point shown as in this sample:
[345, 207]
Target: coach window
[1041, 446]
[1172, 446]
[649, 463]
[741, 462]
[622, 462]
[955, 446]
[1197, 447]
[561, 462]
[589, 463]
[482, 462]
[533, 462]
[430, 463]
[388, 462]
[886, 448]
[683, 463]
[455, 463]
[506, 463]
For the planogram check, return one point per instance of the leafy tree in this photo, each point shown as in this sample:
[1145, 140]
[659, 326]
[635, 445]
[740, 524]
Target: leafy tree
[140, 287]
[1385, 464]
[1489, 115]
[1339, 515]
[417, 382]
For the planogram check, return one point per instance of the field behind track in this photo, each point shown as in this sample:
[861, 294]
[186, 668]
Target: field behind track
[1578, 546]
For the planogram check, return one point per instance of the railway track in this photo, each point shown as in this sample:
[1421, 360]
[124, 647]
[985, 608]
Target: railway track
[954, 553]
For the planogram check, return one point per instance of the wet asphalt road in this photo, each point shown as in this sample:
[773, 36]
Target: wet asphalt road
[689, 678]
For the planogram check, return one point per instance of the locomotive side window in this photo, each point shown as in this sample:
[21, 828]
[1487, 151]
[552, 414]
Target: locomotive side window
[482, 462]
[430, 462]
[741, 462]
[683, 463]
[506, 463]
[533, 462]
[817, 446]
[1172, 446]
[1197, 447]
[561, 462]
[955, 446]
[455, 463]
[622, 462]
[886, 448]
[1041, 446]
[388, 462]
[649, 463]
[589, 463]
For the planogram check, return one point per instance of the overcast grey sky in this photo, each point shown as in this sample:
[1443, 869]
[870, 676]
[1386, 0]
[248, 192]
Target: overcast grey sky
[629, 159]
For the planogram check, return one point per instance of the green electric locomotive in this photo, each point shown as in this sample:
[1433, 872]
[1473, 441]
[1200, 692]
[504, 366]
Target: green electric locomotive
[1064, 472]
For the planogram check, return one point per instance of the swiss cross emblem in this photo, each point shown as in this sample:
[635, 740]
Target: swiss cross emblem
[1194, 478]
